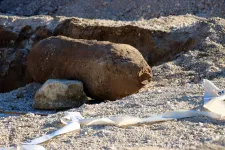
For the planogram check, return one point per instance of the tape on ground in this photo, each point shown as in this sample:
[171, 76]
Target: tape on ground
[25, 147]
[213, 102]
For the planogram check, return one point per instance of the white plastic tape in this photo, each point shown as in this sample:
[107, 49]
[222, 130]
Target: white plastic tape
[213, 102]
[25, 147]
[216, 105]
[71, 120]
[211, 91]
[121, 121]
[213, 98]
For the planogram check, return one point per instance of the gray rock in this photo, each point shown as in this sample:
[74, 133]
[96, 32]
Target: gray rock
[60, 94]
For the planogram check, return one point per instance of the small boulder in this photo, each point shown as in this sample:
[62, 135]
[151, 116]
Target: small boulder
[60, 94]
[109, 71]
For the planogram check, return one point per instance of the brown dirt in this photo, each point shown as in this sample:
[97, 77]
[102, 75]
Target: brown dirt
[155, 45]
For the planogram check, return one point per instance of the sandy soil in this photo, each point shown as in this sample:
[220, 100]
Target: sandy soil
[188, 133]
[176, 85]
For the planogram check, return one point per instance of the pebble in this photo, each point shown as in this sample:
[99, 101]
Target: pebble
[200, 124]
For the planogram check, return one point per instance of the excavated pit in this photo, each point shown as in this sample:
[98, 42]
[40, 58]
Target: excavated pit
[156, 45]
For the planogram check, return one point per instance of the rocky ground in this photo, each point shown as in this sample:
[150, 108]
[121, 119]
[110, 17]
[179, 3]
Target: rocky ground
[182, 51]
[190, 133]
[114, 9]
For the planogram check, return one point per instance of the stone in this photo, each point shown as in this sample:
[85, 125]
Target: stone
[60, 94]
[109, 71]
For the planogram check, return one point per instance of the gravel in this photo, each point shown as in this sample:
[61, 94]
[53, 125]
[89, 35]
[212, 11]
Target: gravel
[186, 133]
[114, 9]
[176, 85]
[20, 101]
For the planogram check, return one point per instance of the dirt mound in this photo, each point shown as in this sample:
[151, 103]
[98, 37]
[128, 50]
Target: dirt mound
[155, 45]
[205, 60]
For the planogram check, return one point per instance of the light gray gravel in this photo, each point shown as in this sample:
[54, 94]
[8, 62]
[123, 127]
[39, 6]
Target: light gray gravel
[20, 100]
[172, 88]
[114, 9]
[181, 134]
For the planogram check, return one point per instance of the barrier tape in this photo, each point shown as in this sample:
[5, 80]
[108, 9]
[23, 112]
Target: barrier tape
[25, 147]
[214, 102]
